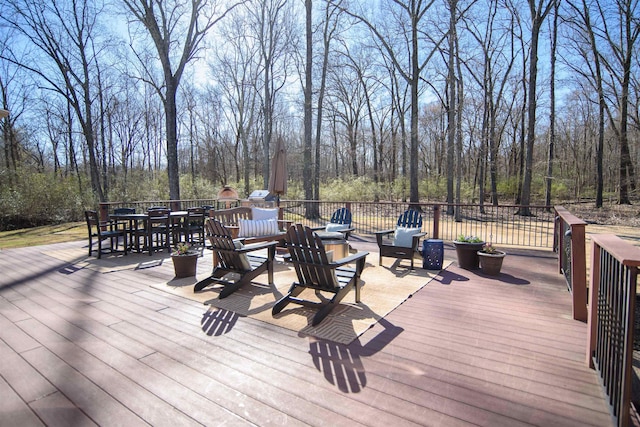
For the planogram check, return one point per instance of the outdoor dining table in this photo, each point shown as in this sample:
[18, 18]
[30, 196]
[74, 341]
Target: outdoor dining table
[135, 222]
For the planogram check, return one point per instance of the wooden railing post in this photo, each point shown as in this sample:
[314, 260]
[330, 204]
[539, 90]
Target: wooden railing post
[103, 211]
[573, 266]
[579, 271]
[436, 221]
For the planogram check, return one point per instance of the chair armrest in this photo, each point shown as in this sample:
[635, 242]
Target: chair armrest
[358, 258]
[415, 242]
[284, 225]
[347, 232]
[385, 232]
[349, 259]
[381, 234]
[257, 246]
[234, 230]
[319, 227]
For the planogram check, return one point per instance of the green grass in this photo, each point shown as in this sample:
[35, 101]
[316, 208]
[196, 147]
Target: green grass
[43, 235]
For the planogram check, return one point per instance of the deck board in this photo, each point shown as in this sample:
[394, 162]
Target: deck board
[83, 348]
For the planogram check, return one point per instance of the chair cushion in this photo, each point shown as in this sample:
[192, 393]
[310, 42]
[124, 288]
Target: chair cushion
[404, 236]
[258, 214]
[243, 257]
[332, 226]
[253, 228]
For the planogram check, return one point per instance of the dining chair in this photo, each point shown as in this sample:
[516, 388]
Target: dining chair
[193, 224]
[158, 230]
[103, 230]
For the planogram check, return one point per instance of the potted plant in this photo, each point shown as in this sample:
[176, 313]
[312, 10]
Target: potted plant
[185, 260]
[491, 259]
[467, 248]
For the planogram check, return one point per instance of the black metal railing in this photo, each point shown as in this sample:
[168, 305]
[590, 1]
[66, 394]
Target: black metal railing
[614, 277]
[500, 225]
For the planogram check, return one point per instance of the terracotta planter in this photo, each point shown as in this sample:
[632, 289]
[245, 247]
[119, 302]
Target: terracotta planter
[491, 263]
[185, 265]
[468, 254]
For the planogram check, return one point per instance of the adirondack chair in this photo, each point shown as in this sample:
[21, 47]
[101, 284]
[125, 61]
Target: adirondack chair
[315, 270]
[406, 239]
[340, 222]
[231, 256]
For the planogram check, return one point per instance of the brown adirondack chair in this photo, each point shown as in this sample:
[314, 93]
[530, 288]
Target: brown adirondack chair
[316, 270]
[410, 220]
[231, 256]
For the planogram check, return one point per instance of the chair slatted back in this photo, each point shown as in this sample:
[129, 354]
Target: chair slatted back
[231, 217]
[158, 218]
[222, 244]
[309, 258]
[341, 216]
[124, 211]
[195, 216]
[93, 222]
[411, 218]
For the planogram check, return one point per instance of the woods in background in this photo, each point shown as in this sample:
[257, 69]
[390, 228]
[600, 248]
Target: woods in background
[457, 100]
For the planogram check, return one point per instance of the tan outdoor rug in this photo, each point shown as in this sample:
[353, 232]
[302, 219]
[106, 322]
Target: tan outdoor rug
[382, 291]
[79, 258]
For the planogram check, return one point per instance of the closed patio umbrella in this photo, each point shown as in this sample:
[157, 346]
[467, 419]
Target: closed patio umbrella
[278, 176]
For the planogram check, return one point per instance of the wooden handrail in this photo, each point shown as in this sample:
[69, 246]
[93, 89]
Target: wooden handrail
[571, 235]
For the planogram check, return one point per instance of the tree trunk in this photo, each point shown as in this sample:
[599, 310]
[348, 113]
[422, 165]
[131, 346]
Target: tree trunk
[171, 128]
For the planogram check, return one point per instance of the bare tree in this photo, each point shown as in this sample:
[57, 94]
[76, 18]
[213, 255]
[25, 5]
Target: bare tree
[13, 98]
[621, 40]
[552, 112]
[272, 25]
[329, 30]
[63, 33]
[177, 30]
[410, 17]
[539, 13]
[310, 211]
[236, 68]
[493, 76]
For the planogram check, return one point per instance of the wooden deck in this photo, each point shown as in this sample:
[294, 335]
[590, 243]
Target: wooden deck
[78, 347]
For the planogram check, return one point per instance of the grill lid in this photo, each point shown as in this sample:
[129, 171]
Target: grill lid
[262, 195]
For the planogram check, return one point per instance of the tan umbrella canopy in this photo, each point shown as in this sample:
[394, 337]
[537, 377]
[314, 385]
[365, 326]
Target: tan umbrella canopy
[3, 113]
[278, 177]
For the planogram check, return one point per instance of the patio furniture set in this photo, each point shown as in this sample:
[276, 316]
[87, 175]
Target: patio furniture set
[156, 229]
[320, 255]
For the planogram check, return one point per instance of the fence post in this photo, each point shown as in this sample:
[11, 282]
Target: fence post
[579, 271]
[574, 264]
[436, 221]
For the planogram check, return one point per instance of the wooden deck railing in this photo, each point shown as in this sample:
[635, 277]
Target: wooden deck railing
[569, 242]
[612, 297]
